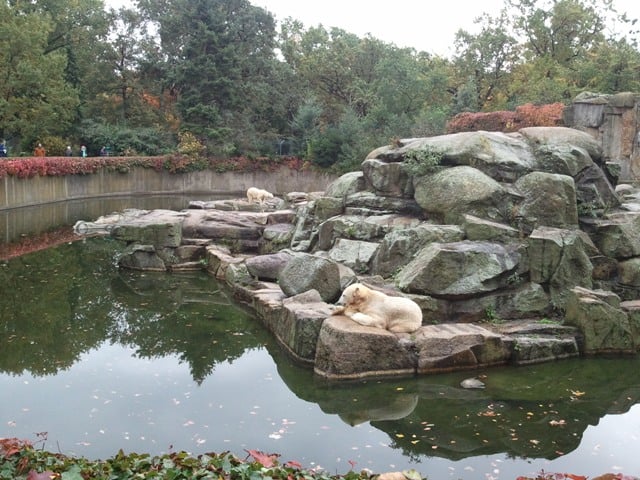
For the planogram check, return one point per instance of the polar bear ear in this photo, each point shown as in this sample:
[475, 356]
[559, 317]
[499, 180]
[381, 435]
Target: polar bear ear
[356, 293]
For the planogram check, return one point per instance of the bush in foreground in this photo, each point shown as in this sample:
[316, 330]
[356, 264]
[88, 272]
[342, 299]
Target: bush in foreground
[19, 460]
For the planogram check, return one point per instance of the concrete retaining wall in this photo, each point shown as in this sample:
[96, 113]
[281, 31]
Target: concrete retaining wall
[18, 192]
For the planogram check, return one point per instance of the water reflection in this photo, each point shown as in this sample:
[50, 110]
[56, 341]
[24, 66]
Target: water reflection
[149, 361]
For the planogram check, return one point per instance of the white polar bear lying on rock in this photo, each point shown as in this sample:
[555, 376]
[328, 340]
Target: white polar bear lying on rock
[258, 195]
[376, 309]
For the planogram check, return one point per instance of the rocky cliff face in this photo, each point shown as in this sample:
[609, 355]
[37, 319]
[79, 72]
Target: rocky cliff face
[517, 247]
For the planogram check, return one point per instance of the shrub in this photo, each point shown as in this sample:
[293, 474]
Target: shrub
[189, 145]
[55, 146]
[502, 121]
[527, 115]
[420, 162]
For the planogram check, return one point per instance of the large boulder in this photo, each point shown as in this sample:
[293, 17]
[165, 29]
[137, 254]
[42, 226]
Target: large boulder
[594, 192]
[160, 228]
[269, 266]
[563, 136]
[559, 259]
[398, 247]
[604, 325]
[460, 269]
[347, 184]
[458, 346]
[368, 203]
[618, 236]
[503, 157]
[355, 254]
[450, 194]
[360, 227]
[348, 350]
[311, 272]
[549, 199]
[387, 179]
[297, 324]
[479, 229]
[527, 300]
[242, 231]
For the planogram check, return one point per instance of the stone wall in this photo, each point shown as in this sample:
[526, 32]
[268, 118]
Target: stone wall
[20, 192]
[613, 120]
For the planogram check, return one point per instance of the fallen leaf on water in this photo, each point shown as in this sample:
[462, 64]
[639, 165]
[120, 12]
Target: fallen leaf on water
[557, 423]
[487, 413]
[47, 475]
[266, 460]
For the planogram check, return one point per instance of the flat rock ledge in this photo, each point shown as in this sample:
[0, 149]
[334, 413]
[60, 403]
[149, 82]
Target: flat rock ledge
[340, 349]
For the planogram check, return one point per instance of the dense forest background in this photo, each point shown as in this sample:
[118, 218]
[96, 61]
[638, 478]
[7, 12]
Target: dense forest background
[225, 78]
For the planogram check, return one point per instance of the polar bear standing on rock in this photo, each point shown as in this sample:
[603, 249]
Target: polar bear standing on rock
[258, 195]
[376, 309]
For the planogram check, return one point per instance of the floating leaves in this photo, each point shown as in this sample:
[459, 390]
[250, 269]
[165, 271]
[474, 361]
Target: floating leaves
[557, 423]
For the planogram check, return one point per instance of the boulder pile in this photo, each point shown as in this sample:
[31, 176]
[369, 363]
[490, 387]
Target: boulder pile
[518, 247]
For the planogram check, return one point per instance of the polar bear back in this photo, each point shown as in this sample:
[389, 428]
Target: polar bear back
[400, 314]
[259, 195]
[376, 309]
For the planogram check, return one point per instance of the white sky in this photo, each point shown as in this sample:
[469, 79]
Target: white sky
[427, 25]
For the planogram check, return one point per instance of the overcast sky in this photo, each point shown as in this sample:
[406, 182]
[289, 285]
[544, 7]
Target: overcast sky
[426, 25]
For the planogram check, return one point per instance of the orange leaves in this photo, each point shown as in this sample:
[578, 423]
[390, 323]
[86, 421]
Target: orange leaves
[11, 446]
[527, 115]
[554, 476]
[267, 460]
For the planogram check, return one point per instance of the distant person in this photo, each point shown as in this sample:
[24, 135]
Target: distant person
[68, 152]
[83, 151]
[3, 149]
[103, 152]
[39, 151]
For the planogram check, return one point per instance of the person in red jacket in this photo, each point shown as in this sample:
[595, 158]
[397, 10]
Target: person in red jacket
[39, 151]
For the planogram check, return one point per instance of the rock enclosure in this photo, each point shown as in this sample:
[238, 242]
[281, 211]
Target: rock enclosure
[519, 248]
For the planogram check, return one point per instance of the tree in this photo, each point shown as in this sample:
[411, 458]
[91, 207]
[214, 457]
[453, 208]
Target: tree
[483, 63]
[220, 59]
[35, 99]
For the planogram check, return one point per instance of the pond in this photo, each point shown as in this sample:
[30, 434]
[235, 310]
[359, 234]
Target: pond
[94, 359]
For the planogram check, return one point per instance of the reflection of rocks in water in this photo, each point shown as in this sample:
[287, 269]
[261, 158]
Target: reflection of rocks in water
[157, 291]
[381, 409]
[518, 413]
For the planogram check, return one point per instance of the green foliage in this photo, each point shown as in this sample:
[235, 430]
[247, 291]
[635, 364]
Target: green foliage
[123, 140]
[491, 316]
[54, 146]
[20, 461]
[420, 162]
[190, 146]
[130, 79]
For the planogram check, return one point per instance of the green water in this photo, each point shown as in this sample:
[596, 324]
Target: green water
[94, 359]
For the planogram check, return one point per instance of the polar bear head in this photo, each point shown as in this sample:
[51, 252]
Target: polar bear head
[354, 295]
